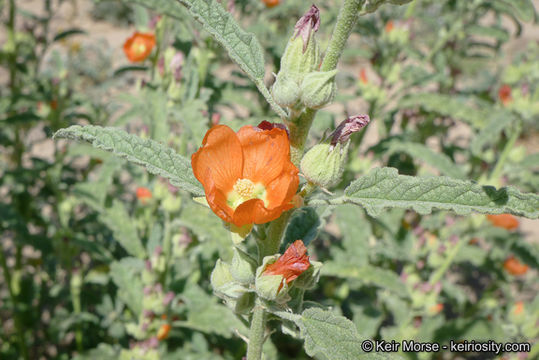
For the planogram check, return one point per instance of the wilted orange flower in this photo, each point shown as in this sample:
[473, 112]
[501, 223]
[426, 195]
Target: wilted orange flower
[506, 221]
[363, 76]
[504, 94]
[389, 26]
[292, 263]
[139, 46]
[143, 194]
[271, 3]
[515, 267]
[247, 176]
[163, 331]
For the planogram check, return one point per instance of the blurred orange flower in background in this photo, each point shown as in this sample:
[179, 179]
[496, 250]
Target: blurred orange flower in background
[504, 94]
[143, 194]
[515, 267]
[271, 3]
[292, 263]
[389, 26]
[363, 76]
[506, 221]
[163, 331]
[247, 176]
[139, 46]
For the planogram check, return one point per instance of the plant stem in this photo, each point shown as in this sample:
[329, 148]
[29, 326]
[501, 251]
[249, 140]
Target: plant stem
[495, 175]
[299, 127]
[437, 276]
[18, 326]
[256, 334]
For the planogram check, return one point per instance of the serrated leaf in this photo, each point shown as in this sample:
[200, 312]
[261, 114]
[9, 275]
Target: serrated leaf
[437, 160]
[491, 132]
[448, 105]
[124, 274]
[242, 47]
[366, 274]
[384, 188]
[157, 158]
[123, 228]
[524, 9]
[334, 337]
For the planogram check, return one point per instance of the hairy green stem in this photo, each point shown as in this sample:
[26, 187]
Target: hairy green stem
[437, 276]
[495, 175]
[18, 326]
[256, 334]
[269, 98]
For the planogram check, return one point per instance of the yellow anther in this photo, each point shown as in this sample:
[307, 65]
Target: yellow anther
[245, 188]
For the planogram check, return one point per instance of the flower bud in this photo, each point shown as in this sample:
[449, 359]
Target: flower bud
[242, 267]
[223, 283]
[244, 304]
[285, 91]
[318, 88]
[302, 53]
[323, 164]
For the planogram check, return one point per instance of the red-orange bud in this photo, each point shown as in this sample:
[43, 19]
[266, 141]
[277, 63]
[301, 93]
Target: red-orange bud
[163, 331]
[506, 221]
[292, 263]
[515, 267]
[143, 194]
[504, 94]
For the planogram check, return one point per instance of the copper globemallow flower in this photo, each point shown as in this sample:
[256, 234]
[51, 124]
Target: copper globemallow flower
[506, 221]
[139, 46]
[515, 267]
[247, 176]
[143, 194]
[504, 94]
[292, 263]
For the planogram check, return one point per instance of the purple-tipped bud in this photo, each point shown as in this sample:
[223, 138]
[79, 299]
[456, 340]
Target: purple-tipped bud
[348, 127]
[168, 298]
[306, 24]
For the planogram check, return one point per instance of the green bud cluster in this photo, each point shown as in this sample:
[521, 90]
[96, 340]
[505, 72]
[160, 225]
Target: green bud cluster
[298, 82]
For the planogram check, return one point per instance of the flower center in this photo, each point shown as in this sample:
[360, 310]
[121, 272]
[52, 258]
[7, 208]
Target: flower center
[140, 48]
[244, 190]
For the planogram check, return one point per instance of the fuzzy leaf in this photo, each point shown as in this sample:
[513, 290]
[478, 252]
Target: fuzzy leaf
[242, 47]
[333, 337]
[157, 158]
[524, 9]
[384, 188]
[124, 229]
[124, 274]
[437, 160]
[491, 132]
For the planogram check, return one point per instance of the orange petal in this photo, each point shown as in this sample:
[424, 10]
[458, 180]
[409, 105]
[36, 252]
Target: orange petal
[217, 201]
[281, 190]
[265, 152]
[220, 158]
[253, 211]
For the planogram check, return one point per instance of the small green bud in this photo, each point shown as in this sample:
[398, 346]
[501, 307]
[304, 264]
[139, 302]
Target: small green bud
[323, 165]
[302, 53]
[271, 287]
[285, 91]
[172, 203]
[223, 283]
[318, 88]
[242, 267]
[242, 305]
[309, 278]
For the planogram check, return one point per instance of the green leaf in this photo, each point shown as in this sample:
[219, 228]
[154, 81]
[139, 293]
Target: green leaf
[157, 158]
[437, 160]
[491, 132]
[496, 32]
[524, 9]
[366, 274]
[305, 225]
[242, 47]
[67, 33]
[355, 230]
[384, 188]
[124, 228]
[333, 337]
[448, 105]
[169, 7]
[124, 273]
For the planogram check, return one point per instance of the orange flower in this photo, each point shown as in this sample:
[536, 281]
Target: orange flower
[506, 221]
[143, 194]
[139, 46]
[363, 76]
[389, 26]
[247, 177]
[271, 3]
[519, 308]
[292, 263]
[504, 94]
[515, 267]
[435, 309]
[163, 331]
